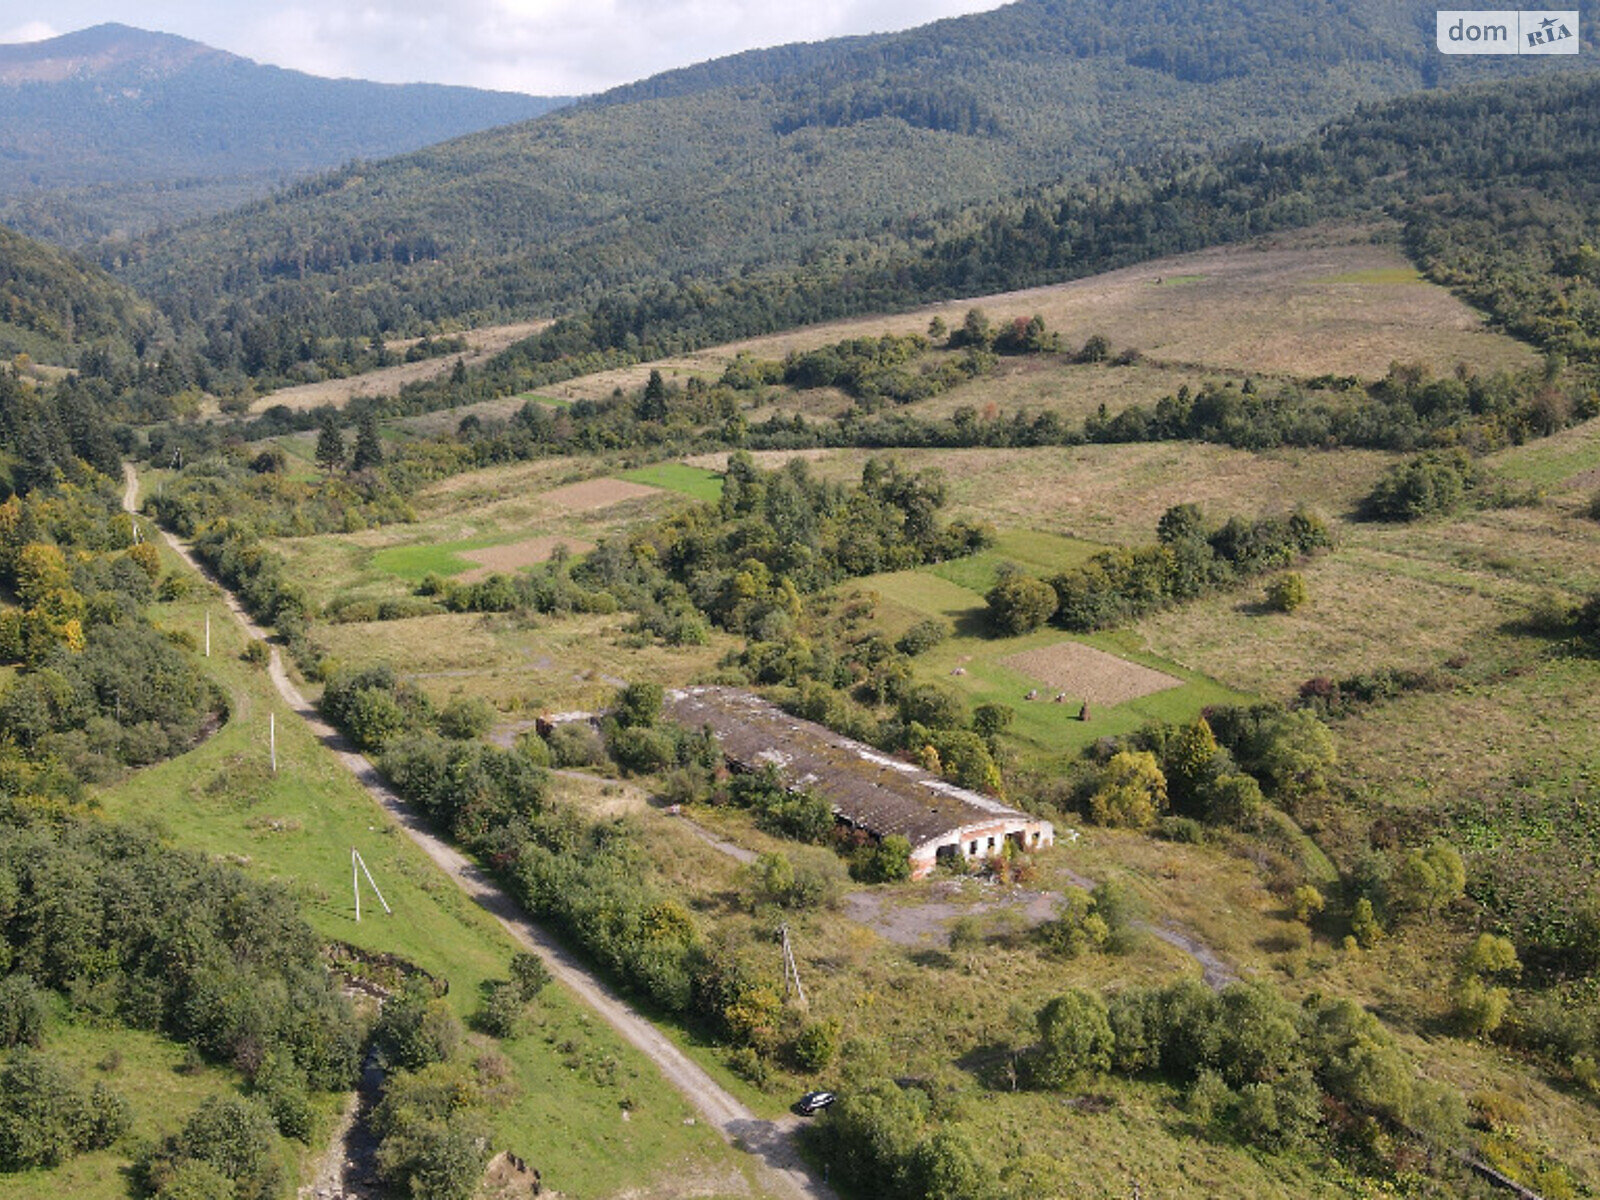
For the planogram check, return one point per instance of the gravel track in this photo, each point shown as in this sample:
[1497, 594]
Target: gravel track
[783, 1173]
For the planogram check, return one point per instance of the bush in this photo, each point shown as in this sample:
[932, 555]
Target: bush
[1429, 485]
[234, 1137]
[815, 1046]
[503, 1010]
[576, 744]
[46, 1114]
[1132, 791]
[923, 636]
[416, 1027]
[640, 750]
[1019, 604]
[1075, 1039]
[21, 1012]
[1287, 592]
[530, 974]
[887, 861]
[466, 717]
[639, 705]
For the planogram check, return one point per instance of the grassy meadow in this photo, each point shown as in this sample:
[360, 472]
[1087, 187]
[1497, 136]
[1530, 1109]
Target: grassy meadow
[590, 1112]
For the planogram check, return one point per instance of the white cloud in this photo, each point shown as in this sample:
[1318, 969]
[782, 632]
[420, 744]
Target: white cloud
[29, 31]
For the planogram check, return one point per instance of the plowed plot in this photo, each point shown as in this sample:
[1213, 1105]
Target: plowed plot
[517, 554]
[1089, 674]
[598, 493]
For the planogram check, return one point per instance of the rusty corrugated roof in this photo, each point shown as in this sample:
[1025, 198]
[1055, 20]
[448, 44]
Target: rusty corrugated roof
[865, 786]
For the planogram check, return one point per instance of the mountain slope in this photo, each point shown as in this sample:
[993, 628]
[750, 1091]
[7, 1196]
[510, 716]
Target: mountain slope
[755, 162]
[151, 127]
[53, 303]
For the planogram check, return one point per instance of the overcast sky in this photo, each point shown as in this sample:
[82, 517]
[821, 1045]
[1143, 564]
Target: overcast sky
[544, 47]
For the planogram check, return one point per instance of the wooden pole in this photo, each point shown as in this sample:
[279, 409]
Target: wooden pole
[272, 739]
[355, 883]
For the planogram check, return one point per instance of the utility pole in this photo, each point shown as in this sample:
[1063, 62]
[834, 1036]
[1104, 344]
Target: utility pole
[358, 868]
[791, 972]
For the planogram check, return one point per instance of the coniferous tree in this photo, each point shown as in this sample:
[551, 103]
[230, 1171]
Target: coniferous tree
[330, 446]
[368, 449]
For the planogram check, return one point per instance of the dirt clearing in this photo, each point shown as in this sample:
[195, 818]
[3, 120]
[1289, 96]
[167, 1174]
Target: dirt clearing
[526, 553]
[598, 493]
[1089, 674]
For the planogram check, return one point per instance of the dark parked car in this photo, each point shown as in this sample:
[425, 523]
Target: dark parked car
[813, 1101]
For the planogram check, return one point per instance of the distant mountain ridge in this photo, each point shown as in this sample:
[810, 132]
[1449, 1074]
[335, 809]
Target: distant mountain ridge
[109, 52]
[114, 129]
[770, 158]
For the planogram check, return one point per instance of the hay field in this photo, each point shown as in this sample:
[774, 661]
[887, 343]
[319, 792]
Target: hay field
[1093, 675]
[554, 664]
[1328, 300]
[513, 556]
[597, 493]
[387, 381]
[535, 506]
[1116, 494]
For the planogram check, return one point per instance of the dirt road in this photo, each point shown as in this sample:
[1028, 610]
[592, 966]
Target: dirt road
[783, 1173]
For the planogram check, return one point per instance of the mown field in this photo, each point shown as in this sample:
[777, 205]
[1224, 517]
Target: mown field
[1325, 301]
[536, 506]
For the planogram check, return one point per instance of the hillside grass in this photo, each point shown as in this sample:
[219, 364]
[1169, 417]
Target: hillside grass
[1043, 733]
[694, 482]
[162, 1085]
[1039, 554]
[1332, 299]
[560, 664]
[591, 1113]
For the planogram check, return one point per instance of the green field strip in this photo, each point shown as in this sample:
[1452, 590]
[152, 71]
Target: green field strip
[694, 482]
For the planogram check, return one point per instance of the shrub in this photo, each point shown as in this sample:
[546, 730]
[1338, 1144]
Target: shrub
[503, 1010]
[416, 1027]
[815, 1046]
[234, 1137]
[1019, 604]
[1479, 1008]
[923, 636]
[1307, 902]
[576, 744]
[466, 717]
[888, 861]
[1075, 1039]
[639, 705]
[640, 750]
[1432, 484]
[1132, 791]
[1286, 592]
[46, 1114]
[529, 973]
[1364, 924]
[21, 1012]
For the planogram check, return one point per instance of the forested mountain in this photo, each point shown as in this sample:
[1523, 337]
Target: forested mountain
[754, 162]
[52, 303]
[114, 128]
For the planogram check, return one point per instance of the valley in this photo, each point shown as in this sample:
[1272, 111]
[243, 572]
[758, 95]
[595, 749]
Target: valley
[1130, 561]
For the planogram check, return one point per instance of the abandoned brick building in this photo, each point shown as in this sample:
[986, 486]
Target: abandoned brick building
[867, 789]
